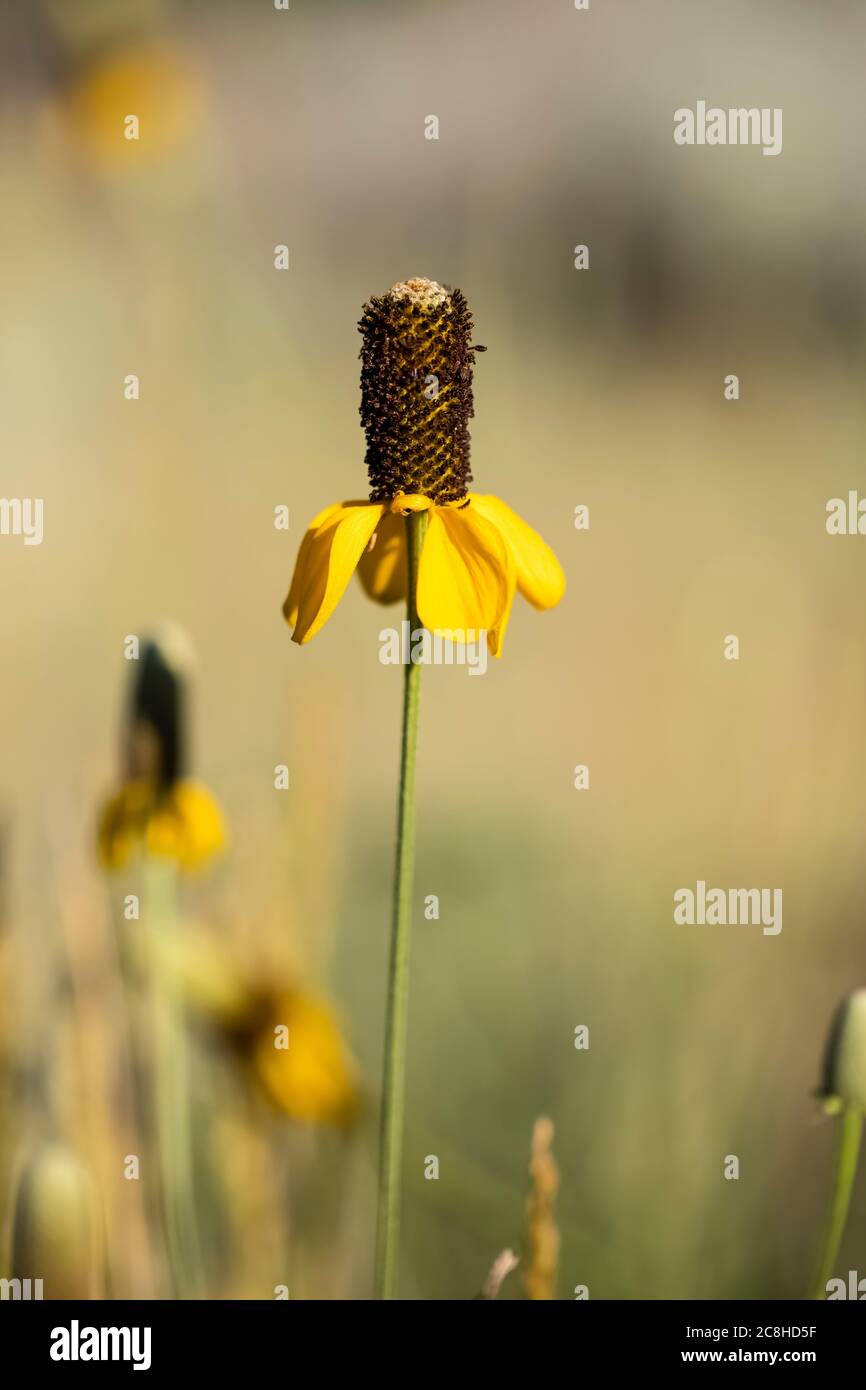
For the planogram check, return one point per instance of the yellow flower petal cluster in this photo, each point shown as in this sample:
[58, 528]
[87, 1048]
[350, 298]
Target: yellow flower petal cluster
[182, 822]
[477, 555]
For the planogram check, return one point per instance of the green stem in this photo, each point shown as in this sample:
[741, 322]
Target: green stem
[172, 1098]
[394, 1074]
[847, 1149]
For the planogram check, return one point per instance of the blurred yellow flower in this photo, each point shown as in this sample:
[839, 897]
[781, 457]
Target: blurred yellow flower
[182, 822]
[416, 389]
[302, 1063]
[148, 80]
[159, 811]
[287, 1039]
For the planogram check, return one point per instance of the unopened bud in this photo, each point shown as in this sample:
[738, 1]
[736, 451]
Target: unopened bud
[843, 1080]
[56, 1232]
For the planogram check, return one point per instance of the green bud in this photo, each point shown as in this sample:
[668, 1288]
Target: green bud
[843, 1079]
[56, 1234]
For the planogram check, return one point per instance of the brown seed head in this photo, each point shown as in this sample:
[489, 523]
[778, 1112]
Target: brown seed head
[416, 391]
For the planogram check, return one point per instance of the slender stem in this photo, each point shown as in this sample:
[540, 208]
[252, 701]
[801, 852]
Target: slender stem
[172, 1099]
[847, 1149]
[394, 1074]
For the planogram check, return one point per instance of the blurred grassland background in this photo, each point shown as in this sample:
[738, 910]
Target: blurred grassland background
[603, 388]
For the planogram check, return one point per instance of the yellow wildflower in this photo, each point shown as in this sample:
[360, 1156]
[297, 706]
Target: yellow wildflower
[158, 811]
[183, 823]
[302, 1063]
[416, 402]
[287, 1038]
[148, 79]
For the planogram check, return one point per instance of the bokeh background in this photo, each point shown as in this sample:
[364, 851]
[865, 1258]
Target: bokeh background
[602, 388]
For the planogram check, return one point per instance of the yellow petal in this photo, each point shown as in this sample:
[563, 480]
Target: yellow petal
[290, 607]
[188, 827]
[496, 635]
[328, 557]
[539, 574]
[464, 583]
[382, 570]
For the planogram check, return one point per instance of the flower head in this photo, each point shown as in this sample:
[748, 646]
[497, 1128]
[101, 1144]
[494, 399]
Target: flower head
[301, 1062]
[416, 392]
[157, 810]
[107, 79]
[286, 1037]
[416, 403]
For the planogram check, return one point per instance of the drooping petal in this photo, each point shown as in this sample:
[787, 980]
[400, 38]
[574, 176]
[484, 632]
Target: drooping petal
[290, 607]
[382, 569]
[464, 585]
[539, 574]
[496, 636]
[328, 557]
